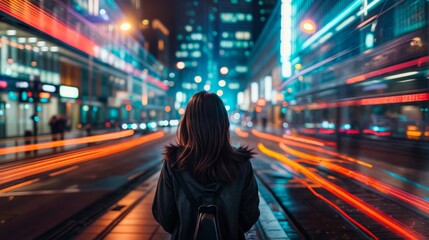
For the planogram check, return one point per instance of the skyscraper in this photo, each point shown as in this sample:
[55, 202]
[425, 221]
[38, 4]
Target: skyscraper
[214, 41]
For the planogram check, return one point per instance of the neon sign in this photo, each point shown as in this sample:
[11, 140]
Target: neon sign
[3, 84]
[69, 92]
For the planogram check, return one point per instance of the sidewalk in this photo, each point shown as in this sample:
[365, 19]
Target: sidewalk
[131, 218]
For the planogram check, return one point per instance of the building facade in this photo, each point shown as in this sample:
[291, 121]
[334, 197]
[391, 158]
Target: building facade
[90, 70]
[352, 68]
[259, 100]
[214, 41]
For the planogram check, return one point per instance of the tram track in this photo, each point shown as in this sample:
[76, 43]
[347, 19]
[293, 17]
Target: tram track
[75, 224]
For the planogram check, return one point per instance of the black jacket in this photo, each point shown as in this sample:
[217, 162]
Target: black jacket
[238, 203]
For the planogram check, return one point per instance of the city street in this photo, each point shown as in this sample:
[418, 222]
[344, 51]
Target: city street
[313, 191]
[331, 96]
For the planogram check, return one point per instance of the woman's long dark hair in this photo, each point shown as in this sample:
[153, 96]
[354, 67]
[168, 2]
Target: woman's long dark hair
[203, 141]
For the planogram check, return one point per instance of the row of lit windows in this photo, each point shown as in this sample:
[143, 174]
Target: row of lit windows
[189, 28]
[185, 54]
[240, 35]
[236, 44]
[228, 17]
[190, 46]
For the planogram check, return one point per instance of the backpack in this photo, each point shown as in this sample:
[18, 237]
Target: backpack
[207, 226]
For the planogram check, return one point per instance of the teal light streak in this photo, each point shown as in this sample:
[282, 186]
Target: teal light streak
[350, 9]
[404, 179]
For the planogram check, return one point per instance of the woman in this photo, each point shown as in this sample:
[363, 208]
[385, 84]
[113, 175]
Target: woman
[206, 161]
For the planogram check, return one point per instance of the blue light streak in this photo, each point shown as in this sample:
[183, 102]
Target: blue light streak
[404, 179]
[350, 9]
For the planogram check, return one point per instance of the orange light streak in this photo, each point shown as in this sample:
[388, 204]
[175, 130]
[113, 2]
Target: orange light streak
[63, 171]
[272, 137]
[369, 181]
[52, 163]
[23, 184]
[366, 208]
[369, 233]
[73, 141]
[300, 139]
[240, 133]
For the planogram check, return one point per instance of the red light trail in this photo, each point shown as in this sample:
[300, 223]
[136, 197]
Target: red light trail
[354, 201]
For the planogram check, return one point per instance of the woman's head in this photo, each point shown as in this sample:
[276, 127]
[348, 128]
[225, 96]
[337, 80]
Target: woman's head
[205, 124]
[203, 138]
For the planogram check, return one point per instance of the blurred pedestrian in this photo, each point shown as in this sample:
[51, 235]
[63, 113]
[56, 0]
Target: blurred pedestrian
[53, 126]
[264, 123]
[27, 139]
[88, 128]
[203, 161]
[61, 126]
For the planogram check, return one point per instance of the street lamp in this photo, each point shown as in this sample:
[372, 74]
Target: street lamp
[223, 70]
[125, 26]
[198, 79]
[308, 26]
[180, 65]
[222, 83]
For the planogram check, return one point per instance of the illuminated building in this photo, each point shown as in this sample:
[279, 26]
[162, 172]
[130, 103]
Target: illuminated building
[90, 69]
[214, 40]
[359, 70]
[157, 40]
[262, 10]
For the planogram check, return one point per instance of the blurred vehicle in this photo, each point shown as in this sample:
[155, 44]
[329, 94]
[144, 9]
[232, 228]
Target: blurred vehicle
[350, 129]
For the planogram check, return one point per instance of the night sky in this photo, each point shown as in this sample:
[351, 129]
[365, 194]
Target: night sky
[161, 9]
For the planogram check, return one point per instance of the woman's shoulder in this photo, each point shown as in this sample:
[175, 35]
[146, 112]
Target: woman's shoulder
[244, 153]
[171, 153]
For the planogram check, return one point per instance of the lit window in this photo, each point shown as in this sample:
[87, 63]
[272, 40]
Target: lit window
[181, 54]
[241, 69]
[243, 35]
[196, 54]
[226, 44]
[225, 34]
[183, 46]
[160, 44]
[227, 17]
[188, 28]
[196, 36]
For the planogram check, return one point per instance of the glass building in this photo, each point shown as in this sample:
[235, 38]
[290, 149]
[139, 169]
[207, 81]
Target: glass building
[90, 70]
[351, 68]
[213, 45]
